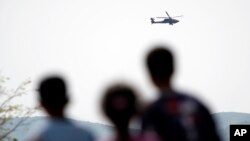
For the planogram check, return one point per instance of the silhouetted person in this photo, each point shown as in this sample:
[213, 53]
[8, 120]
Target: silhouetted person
[119, 105]
[54, 98]
[175, 116]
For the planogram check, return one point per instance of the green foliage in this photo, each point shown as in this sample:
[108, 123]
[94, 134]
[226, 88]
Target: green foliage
[9, 109]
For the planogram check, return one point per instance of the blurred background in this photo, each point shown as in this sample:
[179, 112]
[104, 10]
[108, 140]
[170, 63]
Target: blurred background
[93, 43]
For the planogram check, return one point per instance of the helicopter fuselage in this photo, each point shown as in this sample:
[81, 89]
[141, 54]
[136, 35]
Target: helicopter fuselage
[168, 20]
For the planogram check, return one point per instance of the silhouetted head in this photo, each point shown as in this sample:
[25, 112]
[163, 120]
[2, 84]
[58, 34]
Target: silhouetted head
[160, 64]
[119, 104]
[53, 95]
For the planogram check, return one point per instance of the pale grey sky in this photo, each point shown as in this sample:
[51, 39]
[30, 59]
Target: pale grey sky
[95, 42]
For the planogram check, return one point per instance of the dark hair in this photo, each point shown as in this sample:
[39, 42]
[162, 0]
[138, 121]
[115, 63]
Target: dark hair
[160, 63]
[53, 92]
[119, 104]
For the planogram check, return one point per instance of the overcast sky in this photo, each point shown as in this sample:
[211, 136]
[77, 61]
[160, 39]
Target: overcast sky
[97, 41]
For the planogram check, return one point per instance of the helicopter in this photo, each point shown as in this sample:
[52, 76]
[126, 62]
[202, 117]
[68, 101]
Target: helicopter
[169, 20]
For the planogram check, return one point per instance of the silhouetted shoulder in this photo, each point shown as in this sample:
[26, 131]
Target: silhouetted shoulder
[177, 116]
[65, 130]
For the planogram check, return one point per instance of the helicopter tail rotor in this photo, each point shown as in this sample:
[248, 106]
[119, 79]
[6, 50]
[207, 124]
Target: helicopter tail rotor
[152, 20]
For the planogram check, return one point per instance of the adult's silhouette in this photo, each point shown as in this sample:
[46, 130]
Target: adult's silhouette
[175, 116]
[53, 98]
